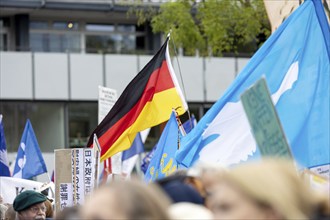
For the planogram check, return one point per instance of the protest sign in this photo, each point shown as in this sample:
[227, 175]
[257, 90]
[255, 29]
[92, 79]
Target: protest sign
[107, 98]
[77, 169]
[323, 170]
[76, 175]
[63, 174]
[11, 187]
[263, 120]
[66, 196]
[88, 171]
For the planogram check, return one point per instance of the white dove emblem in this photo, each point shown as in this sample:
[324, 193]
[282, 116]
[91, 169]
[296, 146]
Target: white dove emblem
[234, 141]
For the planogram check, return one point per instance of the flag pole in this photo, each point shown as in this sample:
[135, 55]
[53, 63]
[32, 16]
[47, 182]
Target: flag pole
[181, 78]
[49, 177]
[180, 130]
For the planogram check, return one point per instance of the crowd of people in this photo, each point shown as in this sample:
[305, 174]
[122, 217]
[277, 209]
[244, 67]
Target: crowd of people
[268, 189]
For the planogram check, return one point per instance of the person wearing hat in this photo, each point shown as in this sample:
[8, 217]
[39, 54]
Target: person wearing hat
[29, 205]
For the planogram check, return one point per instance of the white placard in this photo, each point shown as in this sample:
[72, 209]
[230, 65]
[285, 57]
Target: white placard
[10, 187]
[77, 159]
[89, 171]
[66, 197]
[107, 98]
[323, 170]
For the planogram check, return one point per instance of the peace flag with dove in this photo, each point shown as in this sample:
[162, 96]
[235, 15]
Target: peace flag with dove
[4, 167]
[295, 62]
[29, 160]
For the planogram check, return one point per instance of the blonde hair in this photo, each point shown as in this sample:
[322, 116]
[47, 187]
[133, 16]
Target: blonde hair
[3, 210]
[137, 200]
[49, 209]
[275, 184]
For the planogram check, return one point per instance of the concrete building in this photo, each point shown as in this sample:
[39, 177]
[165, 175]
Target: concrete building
[55, 53]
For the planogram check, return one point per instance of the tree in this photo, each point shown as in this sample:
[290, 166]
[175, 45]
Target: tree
[211, 26]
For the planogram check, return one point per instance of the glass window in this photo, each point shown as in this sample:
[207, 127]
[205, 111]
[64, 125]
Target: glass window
[63, 42]
[100, 44]
[127, 43]
[82, 121]
[60, 40]
[47, 120]
[3, 42]
[115, 43]
[3, 35]
[100, 27]
[38, 25]
[39, 42]
[126, 28]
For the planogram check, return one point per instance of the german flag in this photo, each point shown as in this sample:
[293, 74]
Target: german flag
[147, 101]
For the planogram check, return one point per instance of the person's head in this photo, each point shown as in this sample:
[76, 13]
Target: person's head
[49, 209]
[30, 205]
[68, 213]
[203, 176]
[126, 200]
[10, 213]
[270, 189]
[182, 188]
[182, 192]
[3, 209]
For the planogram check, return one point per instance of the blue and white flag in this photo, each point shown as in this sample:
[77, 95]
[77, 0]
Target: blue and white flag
[130, 157]
[163, 162]
[4, 167]
[29, 160]
[295, 63]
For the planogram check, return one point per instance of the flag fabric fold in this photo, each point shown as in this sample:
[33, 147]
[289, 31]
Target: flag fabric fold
[295, 62]
[136, 148]
[163, 162]
[4, 167]
[187, 126]
[29, 160]
[146, 101]
[131, 155]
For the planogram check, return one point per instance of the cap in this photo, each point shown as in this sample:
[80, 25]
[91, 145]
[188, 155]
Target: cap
[26, 199]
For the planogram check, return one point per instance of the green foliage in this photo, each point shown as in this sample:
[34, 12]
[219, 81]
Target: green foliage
[177, 18]
[212, 26]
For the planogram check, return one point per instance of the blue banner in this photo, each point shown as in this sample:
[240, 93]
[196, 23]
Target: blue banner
[295, 62]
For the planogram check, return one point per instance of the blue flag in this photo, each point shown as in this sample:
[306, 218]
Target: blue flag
[295, 62]
[190, 124]
[146, 160]
[29, 160]
[163, 162]
[187, 126]
[136, 148]
[4, 168]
